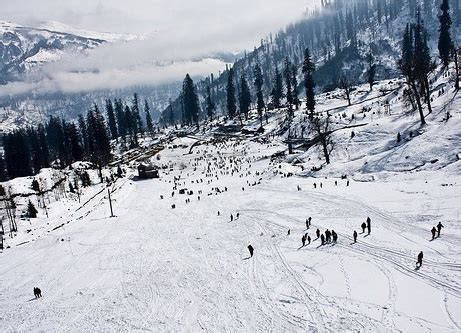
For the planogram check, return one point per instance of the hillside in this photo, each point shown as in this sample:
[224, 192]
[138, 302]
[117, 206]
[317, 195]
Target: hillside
[155, 267]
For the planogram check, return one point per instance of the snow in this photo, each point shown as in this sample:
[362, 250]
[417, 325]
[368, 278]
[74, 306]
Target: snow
[187, 269]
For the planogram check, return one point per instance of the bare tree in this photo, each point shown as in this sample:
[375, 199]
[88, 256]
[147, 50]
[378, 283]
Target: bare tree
[345, 84]
[322, 127]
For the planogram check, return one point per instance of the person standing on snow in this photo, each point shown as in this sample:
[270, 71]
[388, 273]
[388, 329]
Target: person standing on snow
[303, 239]
[419, 263]
[251, 249]
[433, 231]
[318, 233]
[355, 236]
[369, 225]
[364, 226]
[439, 228]
[335, 236]
[322, 238]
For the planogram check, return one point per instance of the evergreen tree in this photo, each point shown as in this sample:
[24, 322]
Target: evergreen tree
[135, 110]
[17, 154]
[99, 142]
[445, 42]
[149, 123]
[294, 84]
[111, 119]
[121, 118]
[258, 83]
[76, 149]
[277, 90]
[3, 175]
[45, 154]
[288, 81]
[308, 71]
[230, 90]
[244, 97]
[371, 71]
[84, 135]
[210, 106]
[190, 101]
[31, 210]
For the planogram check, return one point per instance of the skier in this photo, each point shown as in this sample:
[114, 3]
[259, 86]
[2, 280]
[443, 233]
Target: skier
[317, 233]
[369, 225]
[420, 259]
[433, 231]
[251, 249]
[364, 226]
[439, 228]
[322, 238]
[355, 236]
[335, 236]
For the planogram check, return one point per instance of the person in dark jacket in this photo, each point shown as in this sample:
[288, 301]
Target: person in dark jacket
[318, 233]
[420, 259]
[364, 226]
[322, 238]
[308, 240]
[369, 225]
[328, 236]
[335, 236]
[433, 231]
[355, 236]
[251, 249]
[303, 240]
[439, 228]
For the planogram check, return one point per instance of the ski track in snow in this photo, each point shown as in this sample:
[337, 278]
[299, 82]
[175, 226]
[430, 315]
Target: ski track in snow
[186, 269]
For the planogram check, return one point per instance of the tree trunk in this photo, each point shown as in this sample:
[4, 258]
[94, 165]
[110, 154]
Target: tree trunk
[427, 91]
[325, 149]
[418, 103]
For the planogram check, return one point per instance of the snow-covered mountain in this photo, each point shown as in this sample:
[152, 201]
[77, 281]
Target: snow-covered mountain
[23, 49]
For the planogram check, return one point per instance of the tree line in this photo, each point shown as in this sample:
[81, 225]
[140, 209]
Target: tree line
[59, 142]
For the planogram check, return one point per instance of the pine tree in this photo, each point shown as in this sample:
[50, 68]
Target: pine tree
[121, 119]
[99, 143]
[258, 83]
[288, 81]
[210, 106]
[244, 96]
[111, 119]
[445, 41]
[3, 176]
[135, 110]
[149, 123]
[31, 210]
[294, 84]
[190, 101]
[230, 90]
[84, 135]
[277, 90]
[371, 71]
[308, 71]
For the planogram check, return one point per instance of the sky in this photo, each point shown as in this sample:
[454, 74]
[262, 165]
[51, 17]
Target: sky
[174, 31]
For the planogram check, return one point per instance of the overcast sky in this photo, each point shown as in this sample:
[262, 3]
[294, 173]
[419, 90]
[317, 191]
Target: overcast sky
[192, 27]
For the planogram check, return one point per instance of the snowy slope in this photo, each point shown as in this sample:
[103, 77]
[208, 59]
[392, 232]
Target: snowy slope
[187, 269]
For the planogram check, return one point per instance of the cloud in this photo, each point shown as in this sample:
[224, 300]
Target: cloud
[181, 35]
